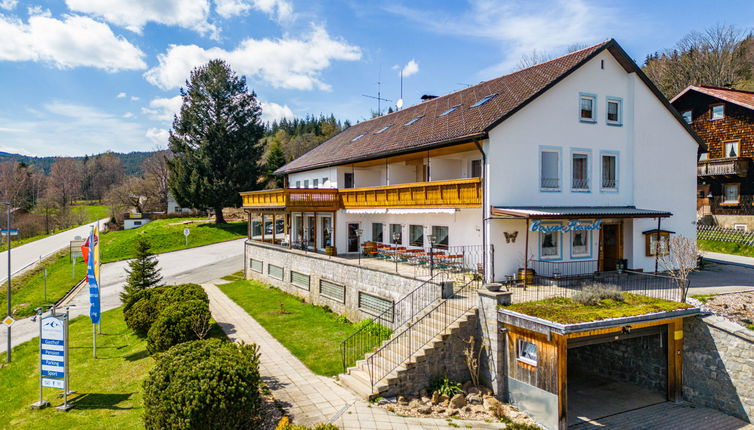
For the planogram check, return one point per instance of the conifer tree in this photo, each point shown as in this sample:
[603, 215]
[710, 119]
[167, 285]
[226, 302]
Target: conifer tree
[142, 271]
[274, 160]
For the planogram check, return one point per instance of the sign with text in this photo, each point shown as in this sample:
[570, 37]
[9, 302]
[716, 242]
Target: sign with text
[53, 351]
[13, 232]
[573, 225]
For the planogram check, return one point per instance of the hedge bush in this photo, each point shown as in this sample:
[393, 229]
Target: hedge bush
[177, 323]
[207, 384]
[142, 308]
[141, 315]
[171, 294]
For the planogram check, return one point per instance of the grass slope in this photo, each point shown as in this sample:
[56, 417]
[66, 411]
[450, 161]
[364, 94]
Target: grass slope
[567, 311]
[167, 235]
[310, 332]
[90, 213]
[108, 389]
[725, 247]
[28, 289]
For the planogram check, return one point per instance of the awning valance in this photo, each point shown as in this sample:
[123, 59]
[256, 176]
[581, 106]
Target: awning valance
[398, 211]
[538, 212]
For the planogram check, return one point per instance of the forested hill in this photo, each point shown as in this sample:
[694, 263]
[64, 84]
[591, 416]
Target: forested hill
[131, 161]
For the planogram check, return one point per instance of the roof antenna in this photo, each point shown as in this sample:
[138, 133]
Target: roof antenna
[379, 94]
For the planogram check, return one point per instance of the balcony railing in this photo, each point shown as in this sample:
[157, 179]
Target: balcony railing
[292, 199]
[723, 166]
[457, 193]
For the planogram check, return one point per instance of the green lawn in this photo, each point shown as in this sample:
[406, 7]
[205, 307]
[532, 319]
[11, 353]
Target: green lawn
[567, 311]
[310, 332]
[725, 247]
[108, 389]
[28, 289]
[167, 235]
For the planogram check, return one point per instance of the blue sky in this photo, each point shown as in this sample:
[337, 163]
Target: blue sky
[85, 76]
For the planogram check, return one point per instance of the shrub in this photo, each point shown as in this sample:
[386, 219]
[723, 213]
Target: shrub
[373, 328]
[141, 314]
[204, 384]
[176, 324]
[141, 308]
[592, 295]
[181, 293]
[444, 386]
[285, 424]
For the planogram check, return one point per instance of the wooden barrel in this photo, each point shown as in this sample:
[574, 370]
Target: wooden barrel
[529, 275]
[330, 250]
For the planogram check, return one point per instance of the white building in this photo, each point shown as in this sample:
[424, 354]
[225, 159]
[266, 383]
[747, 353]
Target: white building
[568, 166]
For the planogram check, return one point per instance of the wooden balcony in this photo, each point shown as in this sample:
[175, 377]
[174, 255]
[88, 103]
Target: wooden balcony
[293, 199]
[738, 166]
[457, 193]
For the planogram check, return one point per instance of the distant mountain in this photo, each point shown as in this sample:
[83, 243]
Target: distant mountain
[132, 161]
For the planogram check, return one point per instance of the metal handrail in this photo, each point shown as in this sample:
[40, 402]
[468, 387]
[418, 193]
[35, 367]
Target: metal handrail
[416, 301]
[415, 343]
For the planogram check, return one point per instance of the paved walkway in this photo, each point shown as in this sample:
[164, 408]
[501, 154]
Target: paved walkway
[311, 399]
[667, 416]
[738, 260]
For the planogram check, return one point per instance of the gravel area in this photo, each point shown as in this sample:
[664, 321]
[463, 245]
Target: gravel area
[738, 307]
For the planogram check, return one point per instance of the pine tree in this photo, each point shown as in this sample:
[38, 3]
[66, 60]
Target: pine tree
[215, 140]
[143, 272]
[275, 159]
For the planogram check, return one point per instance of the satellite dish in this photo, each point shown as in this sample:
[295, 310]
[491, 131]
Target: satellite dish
[399, 103]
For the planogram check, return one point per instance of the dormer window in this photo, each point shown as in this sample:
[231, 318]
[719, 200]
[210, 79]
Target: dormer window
[717, 112]
[449, 111]
[587, 107]
[414, 120]
[484, 100]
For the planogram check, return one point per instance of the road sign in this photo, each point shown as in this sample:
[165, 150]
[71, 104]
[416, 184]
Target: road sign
[186, 231]
[13, 232]
[8, 321]
[75, 247]
[53, 348]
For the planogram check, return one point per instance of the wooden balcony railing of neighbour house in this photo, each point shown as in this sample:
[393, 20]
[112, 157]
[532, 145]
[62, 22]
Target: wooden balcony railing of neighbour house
[738, 166]
[456, 193]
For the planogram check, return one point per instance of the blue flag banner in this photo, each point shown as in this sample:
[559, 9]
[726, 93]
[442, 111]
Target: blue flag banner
[94, 306]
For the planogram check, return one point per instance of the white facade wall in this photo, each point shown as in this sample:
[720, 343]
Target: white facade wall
[328, 173]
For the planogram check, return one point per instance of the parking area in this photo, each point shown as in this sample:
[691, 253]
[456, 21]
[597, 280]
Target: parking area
[717, 278]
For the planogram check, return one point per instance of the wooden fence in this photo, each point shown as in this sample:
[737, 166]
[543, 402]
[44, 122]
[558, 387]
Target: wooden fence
[722, 234]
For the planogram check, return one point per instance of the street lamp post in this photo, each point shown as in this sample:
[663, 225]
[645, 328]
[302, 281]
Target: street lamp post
[7, 235]
[359, 232]
[396, 238]
[432, 240]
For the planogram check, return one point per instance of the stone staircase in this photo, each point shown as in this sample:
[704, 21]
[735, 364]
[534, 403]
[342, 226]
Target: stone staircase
[427, 346]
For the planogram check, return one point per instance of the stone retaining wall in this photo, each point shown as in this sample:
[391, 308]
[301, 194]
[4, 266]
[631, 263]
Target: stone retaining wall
[718, 369]
[351, 276]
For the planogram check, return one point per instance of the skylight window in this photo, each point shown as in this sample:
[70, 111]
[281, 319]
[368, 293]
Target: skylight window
[449, 111]
[358, 137]
[484, 100]
[383, 129]
[414, 120]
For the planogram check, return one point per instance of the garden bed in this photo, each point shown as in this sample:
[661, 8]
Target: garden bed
[738, 307]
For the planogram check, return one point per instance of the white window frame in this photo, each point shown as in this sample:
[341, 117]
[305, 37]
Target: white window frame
[725, 193]
[559, 165]
[616, 156]
[588, 154]
[712, 112]
[593, 98]
[737, 144]
[523, 352]
[558, 246]
[587, 242]
[619, 102]
[741, 227]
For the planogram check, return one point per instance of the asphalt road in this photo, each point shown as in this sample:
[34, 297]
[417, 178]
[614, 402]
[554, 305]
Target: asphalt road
[199, 265]
[25, 255]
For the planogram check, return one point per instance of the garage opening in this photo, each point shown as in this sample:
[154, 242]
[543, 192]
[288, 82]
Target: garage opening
[617, 372]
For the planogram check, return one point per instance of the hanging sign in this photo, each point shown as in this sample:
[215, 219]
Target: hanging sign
[573, 225]
[53, 352]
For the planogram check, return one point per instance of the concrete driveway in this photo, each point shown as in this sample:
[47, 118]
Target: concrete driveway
[719, 278]
[198, 265]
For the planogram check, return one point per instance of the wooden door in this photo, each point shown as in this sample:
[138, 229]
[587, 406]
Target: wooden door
[611, 245]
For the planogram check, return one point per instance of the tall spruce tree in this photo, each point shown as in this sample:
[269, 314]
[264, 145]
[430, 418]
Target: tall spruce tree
[215, 140]
[142, 271]
[274, 160]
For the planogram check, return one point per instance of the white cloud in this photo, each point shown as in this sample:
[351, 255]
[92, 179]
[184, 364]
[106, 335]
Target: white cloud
[411, 68]
[281, 10]
[75, 41]
[128, 115]
[163, 109]
[63, 128]
[273, 111]
[8, 4]
[283, 63]
[121, 95]
[135, 14]
[158, 137]
[135, 99]
[521, 27]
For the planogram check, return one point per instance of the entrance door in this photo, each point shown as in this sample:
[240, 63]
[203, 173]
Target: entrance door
[612, 245]
[353, 239]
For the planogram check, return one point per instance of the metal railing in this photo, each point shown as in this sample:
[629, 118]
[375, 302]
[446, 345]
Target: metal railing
[550, 183]
[722, 234]
[412, 337]
[379, 328]
[580, 184]
[627, 281]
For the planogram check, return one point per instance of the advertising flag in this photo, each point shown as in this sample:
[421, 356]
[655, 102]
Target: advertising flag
[92, 275]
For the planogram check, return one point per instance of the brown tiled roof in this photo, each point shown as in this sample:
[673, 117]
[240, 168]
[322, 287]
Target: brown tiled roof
[464, 124]
[741, 98]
